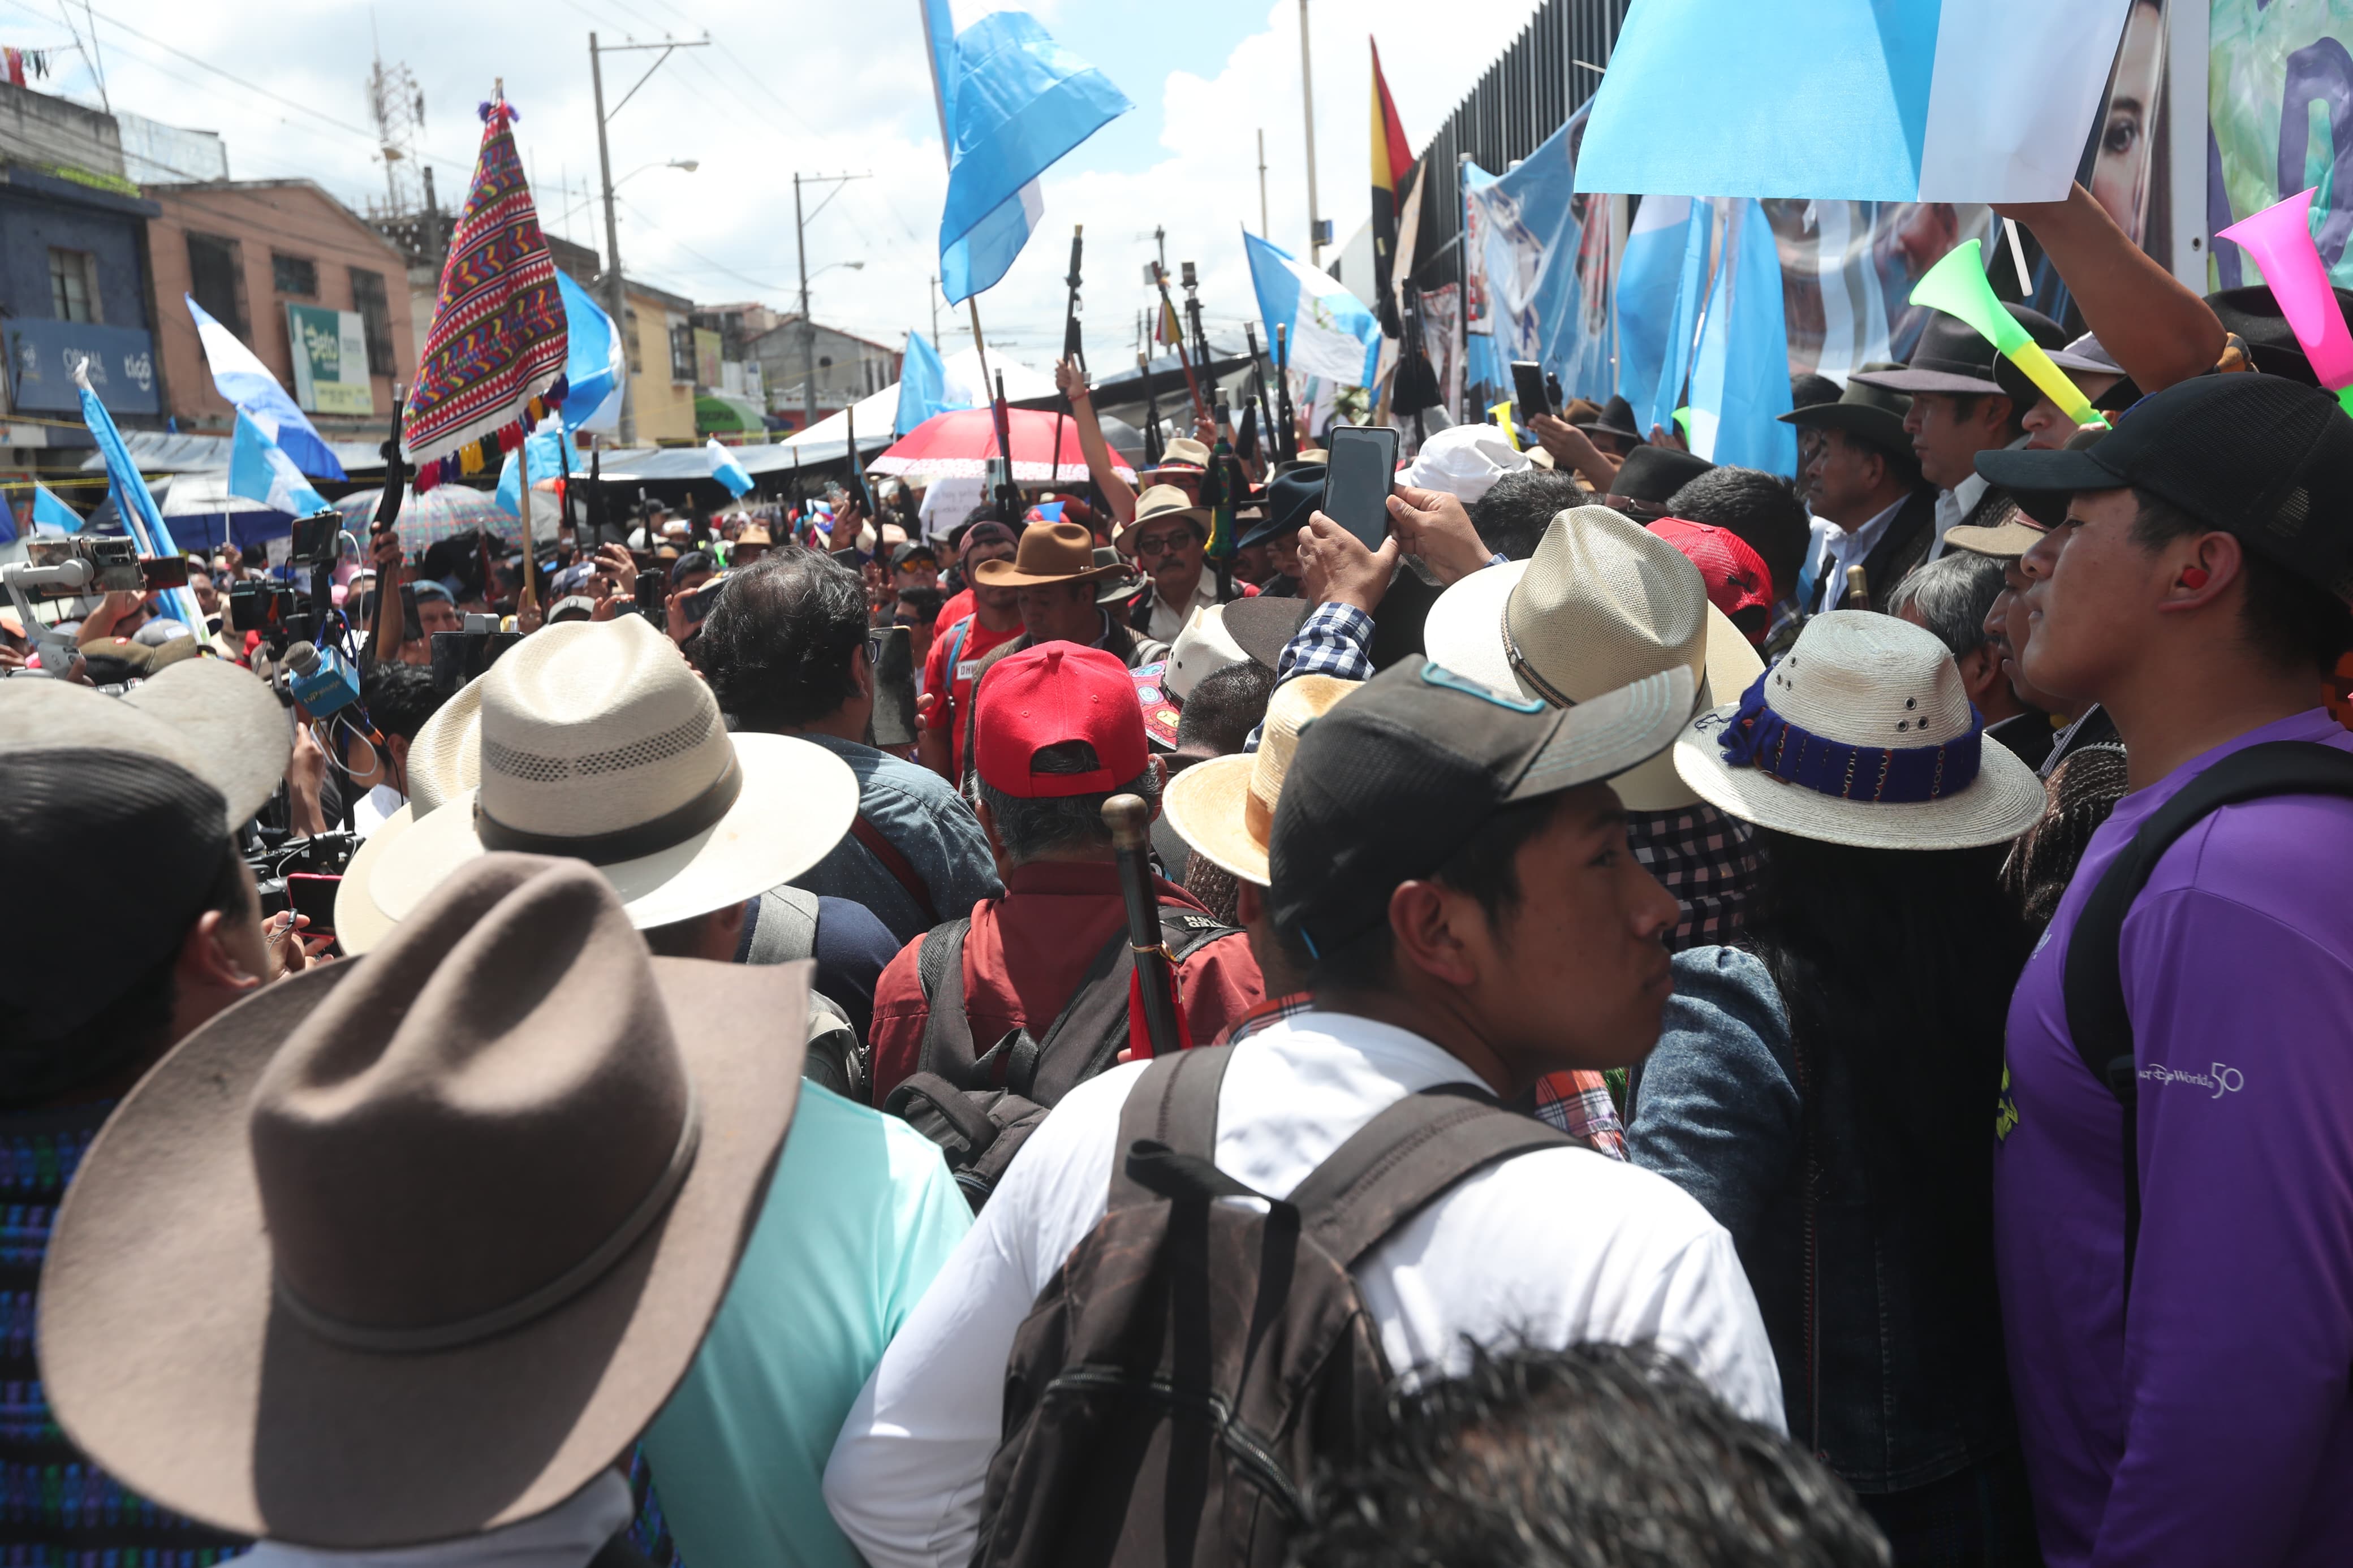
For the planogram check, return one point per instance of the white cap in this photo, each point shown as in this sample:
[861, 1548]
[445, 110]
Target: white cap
[1464, 461]
[1202, 649]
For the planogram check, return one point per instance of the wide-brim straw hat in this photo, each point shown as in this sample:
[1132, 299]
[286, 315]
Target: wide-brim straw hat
[1863, 729]
[599, 741]
[1224, 808]
[1603, 603]
[409, 1249]
[1157, 504]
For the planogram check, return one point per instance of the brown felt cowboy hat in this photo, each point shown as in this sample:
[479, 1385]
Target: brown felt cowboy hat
[411, 1247]
[1049, 552]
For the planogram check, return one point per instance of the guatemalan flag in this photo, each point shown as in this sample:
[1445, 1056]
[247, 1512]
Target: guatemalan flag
[1891, 101]
[1011, 102]
[726, 469]
[246, 382]
[259, 470]
[1334, 335]
[592, 361]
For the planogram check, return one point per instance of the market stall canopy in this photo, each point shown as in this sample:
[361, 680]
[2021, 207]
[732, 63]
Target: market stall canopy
[169, 452]
[965, 387]
[727, 414]
[671, 464]
[959, 445]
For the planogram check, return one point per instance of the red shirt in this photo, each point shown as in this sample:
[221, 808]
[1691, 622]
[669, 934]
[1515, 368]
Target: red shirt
[952, 612]
[977, 644]
[1027, 952]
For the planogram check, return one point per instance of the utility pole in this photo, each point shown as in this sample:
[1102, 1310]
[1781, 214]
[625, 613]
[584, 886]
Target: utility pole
[935, 315]
[1307, 97]
[809, 327]
[616, 300]
[1264, 231]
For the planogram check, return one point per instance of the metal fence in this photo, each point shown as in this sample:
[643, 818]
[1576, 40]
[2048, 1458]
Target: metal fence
[1525, 96]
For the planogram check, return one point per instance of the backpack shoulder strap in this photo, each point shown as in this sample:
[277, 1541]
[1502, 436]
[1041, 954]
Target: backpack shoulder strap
[1186, 931]
[956, 645]
[1174, 1104]
[784, 928]
[939, 969]
[2093, 984]
[1085, 1036]
[1396, 1164]
[894, 861]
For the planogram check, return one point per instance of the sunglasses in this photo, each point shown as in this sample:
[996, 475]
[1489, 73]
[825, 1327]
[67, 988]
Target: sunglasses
[1164, 543]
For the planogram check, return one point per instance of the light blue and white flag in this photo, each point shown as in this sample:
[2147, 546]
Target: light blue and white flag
[142, 518]
[246, 382]
[259, 470]
[1740, 375]
[923, 386]
[726, 469]
[1011, 102]
[1332, 334]
[545, 449]
[1656, 313]
[1892, 100]
[592, 361]
[49, 511]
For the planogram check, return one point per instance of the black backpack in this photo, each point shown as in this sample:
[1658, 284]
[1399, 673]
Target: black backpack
[2092, 985]
[1193, 1361]
[979, 1106]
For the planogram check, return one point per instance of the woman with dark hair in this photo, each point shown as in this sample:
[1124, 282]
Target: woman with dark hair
[1828, 1087]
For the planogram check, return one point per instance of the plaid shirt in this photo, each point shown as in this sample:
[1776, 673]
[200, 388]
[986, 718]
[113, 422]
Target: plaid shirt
[1335, 641]
[1706, 859]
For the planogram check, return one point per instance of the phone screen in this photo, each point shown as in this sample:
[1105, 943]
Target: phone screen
[1357, 477]
[315, 898]
[1529, 395]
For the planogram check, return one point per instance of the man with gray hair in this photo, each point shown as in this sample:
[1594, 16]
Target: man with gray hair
[1950, 598]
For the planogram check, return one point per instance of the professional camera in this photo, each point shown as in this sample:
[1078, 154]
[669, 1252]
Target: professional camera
[459, 656]
[64, 568]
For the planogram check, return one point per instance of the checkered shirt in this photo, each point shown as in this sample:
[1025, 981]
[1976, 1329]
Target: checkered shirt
[1579, 1103]
[1706, 859]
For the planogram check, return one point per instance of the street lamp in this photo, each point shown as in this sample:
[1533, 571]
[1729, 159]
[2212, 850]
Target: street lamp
[685, 165]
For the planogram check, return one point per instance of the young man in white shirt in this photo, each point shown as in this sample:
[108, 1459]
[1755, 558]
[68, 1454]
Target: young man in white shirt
[1449, 869]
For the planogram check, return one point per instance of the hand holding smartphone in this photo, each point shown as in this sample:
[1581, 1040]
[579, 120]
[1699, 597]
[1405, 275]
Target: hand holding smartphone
[1357, 477]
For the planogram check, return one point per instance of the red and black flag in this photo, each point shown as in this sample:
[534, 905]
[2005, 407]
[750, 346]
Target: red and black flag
[1392, 169]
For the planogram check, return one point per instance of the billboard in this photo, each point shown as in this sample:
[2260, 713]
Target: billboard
[330, 367]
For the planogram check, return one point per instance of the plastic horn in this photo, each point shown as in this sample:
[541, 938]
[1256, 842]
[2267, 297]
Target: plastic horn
[1958, 285]
[2280, 239]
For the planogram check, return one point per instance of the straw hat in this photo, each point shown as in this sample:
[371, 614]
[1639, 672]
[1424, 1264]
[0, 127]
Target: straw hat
[1603, 603]
[1225, 807]
[597, 742]
[1863, 734]
[445, 760]
[1182, 455]
[1158, 502]
[404, 1250]
[1048, 553]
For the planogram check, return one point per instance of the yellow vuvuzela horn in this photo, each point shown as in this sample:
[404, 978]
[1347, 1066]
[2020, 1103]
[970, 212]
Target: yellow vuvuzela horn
[1958, 285]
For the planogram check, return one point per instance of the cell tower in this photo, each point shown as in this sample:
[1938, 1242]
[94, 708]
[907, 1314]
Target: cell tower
[397, 104]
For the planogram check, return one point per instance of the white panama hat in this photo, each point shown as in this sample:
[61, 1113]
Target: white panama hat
[1603, 603]
[597, 742]
[1863, 735]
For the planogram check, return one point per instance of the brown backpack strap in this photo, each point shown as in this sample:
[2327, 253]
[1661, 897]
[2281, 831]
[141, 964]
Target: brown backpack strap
[894, 861]
[1396, 1164]
[1174, 1104]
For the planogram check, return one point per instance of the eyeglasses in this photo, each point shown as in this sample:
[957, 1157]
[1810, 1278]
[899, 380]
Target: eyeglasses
[1164, 543]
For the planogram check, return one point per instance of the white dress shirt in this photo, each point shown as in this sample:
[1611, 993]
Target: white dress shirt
[1954, 504]
[1851, 547]
[1169, 619]
[1554, 1246]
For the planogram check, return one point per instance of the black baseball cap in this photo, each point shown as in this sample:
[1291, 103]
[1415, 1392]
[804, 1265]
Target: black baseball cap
[913, 550]
[1655, 473]
[1395, 779]
[2261, 456]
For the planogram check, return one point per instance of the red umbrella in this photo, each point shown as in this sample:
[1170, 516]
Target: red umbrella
[959, 445]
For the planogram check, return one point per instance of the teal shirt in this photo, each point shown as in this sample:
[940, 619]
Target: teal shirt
[859, 1215]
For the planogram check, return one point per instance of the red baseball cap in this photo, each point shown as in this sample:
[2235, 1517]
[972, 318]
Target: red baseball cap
[1734, 573]
[1048, 696]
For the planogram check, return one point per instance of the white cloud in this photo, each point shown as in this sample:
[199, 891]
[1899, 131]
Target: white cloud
[817, 86]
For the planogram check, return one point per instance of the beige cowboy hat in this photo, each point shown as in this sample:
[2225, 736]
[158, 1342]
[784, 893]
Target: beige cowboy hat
[1157, 504]
[1603, 603]
[597, 742]
[1048, 553]
[1182, 455]
[1862, 734]
[1203, 646]
[1224, 808]
[445, 760]
[408, 1249]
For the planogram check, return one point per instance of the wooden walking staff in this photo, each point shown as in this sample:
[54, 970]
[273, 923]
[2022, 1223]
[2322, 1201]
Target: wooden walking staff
[530, 547]
[1155, 993]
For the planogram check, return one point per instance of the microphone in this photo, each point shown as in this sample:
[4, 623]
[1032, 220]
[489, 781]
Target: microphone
[321, 679]
[302, 657]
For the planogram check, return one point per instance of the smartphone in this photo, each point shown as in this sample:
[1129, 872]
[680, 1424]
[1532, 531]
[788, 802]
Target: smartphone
[1357, 477]
[1530, 396]
[894, 686]
[314, 897]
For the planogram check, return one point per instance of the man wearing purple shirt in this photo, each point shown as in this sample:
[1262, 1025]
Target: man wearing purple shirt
[2203, 1415]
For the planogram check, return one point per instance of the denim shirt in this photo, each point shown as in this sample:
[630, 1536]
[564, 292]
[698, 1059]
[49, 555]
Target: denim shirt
[920, 813]
[1903, 1399]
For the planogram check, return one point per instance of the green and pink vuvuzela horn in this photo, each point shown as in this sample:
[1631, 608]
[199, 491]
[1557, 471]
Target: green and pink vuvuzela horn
[2280, 239]
[1958, 285]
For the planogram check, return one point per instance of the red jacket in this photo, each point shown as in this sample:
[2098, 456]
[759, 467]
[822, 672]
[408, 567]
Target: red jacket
[1027, 952]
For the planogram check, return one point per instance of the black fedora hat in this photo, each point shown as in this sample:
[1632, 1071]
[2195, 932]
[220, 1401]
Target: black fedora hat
[2082, 357]
[1655, 473]
[1868, 410]
[2253, 314]
[1290, 497]
[1953, 358]
[1616, 418]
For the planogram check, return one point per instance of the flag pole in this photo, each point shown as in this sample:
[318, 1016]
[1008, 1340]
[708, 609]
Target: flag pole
[530, 553]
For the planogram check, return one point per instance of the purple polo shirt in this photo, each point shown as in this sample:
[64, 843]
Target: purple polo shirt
[2211, 1426]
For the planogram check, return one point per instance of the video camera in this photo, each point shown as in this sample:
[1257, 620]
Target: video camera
[459, 656]
[64, 568]
[283, 613]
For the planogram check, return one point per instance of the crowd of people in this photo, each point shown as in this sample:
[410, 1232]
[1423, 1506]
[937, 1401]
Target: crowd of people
[1667, 1013]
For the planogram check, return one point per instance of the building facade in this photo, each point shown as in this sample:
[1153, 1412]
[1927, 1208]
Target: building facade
[660, 336]
[848, 367]
[75, 283]
[318, 295]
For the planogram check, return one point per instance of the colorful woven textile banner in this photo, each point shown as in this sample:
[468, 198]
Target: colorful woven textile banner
[494, 355]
